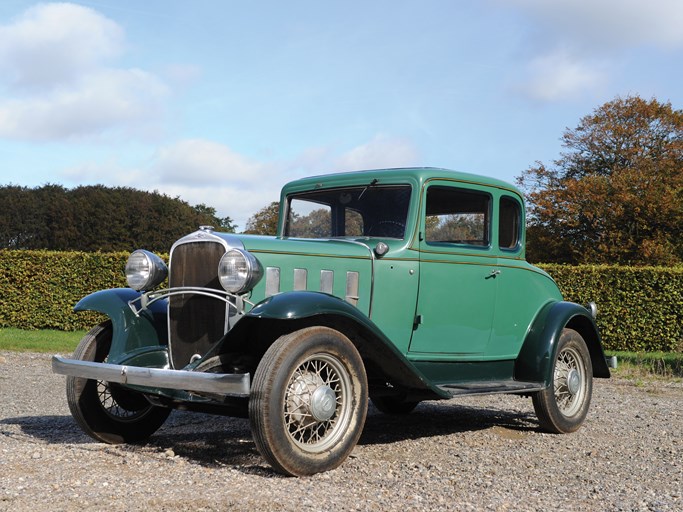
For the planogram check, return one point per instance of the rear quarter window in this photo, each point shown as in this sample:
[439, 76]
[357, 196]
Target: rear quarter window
[509, 223]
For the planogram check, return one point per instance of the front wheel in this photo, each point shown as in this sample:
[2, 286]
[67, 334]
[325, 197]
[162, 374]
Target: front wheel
[109, 412]
[562, 407]
[308, 401]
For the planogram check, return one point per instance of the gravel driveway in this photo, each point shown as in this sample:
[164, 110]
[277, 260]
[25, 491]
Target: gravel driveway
[473, 453]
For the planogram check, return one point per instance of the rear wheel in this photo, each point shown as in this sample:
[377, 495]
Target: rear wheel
[308, 401]
[562, 407]
[109, 412]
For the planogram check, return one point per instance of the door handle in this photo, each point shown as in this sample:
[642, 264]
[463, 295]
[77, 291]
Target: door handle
[493, 274]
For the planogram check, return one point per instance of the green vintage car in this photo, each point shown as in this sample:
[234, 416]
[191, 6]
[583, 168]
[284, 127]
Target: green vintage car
[393, 286]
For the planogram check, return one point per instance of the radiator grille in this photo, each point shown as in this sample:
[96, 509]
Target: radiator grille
[195, 321]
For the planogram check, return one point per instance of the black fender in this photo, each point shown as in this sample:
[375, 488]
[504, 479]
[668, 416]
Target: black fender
[133, 331]
[535, 360]
[289, 311]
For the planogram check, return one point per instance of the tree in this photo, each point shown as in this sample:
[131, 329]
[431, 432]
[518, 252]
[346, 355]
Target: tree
[97, 218]
[616, 194]
[264, 222]
[225, 224]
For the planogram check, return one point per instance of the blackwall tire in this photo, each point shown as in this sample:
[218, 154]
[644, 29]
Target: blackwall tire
[308, 401]
[107, 412]
[562, 407]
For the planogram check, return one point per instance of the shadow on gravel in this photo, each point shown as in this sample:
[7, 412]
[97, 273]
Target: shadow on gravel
[432, 419]
[218, 441]
[51, 429]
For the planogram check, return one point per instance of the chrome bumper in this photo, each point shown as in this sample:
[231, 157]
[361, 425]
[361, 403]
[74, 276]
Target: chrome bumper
[228, 384]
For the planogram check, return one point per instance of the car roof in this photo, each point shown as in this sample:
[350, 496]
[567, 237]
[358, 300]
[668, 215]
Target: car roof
[394, 175]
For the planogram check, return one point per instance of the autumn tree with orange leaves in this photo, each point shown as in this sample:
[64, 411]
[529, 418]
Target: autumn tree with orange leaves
[616, 194]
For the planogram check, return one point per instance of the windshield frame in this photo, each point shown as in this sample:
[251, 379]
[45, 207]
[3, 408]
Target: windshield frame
[383, 208]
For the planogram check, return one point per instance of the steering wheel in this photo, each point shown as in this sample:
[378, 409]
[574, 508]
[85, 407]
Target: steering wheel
[388, 228]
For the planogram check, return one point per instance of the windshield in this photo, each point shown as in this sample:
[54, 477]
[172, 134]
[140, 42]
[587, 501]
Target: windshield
[371, 210]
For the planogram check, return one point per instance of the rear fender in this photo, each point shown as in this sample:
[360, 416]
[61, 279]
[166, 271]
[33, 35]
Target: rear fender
[131, 332]
[535, 360]
[289, 311]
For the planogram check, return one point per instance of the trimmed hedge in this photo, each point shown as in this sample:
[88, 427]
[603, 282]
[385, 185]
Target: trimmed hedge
[640, 308]
[40, 288]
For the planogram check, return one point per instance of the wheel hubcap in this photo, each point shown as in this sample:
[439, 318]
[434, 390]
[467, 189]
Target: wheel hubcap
[323, 403]
[573, 381]
[300, 398]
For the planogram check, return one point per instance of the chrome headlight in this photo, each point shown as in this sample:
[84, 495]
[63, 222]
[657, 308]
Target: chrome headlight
[145, 270]
[239, 271]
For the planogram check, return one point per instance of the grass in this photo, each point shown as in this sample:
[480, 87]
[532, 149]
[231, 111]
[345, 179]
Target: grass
[642, 364]
[49, 341]
[631, 364]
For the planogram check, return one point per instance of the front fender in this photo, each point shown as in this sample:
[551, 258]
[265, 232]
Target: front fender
[289, 311]
[131, 332]
[304, 304]
[535, 360]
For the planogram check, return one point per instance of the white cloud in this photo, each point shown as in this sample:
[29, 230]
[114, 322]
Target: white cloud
[562, 76]
[608, 24]
[583, 42]
[55, 43]
[228, 200]
[97, 102]
[381, 152]
[182, 74]
[54, 62]
[204, 171]
[197, 161]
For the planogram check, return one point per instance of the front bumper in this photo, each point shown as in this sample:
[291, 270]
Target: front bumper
[228, 384]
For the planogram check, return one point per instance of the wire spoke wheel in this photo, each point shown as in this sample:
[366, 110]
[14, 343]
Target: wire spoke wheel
[562, 407]
[308, 401]
[111, 405]
[109, 412]
[569, 381]
[317, 403]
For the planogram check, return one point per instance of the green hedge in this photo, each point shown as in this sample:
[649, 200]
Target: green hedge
[40, 288]
[640, 308]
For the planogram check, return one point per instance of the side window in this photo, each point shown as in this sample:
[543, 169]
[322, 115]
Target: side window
[509, 223]
[457, 216]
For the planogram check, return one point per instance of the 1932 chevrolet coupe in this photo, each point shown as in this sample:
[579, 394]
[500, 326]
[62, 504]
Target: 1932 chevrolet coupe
[396, 286]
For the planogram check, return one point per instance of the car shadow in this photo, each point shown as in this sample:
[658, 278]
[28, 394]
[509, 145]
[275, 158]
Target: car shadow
[431, 419]
[218, 441]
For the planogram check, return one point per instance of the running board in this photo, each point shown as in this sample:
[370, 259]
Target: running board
[491, 387]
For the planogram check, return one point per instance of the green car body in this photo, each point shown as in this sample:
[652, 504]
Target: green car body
[418, 275]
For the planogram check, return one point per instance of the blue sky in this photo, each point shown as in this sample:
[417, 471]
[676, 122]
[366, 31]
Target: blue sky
[222, 102]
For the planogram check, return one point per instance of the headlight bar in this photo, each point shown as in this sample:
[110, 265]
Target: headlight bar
[149, 298]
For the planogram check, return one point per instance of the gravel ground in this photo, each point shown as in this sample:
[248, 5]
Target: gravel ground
[473, 453]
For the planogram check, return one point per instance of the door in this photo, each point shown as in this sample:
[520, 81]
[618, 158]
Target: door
[457, 288]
